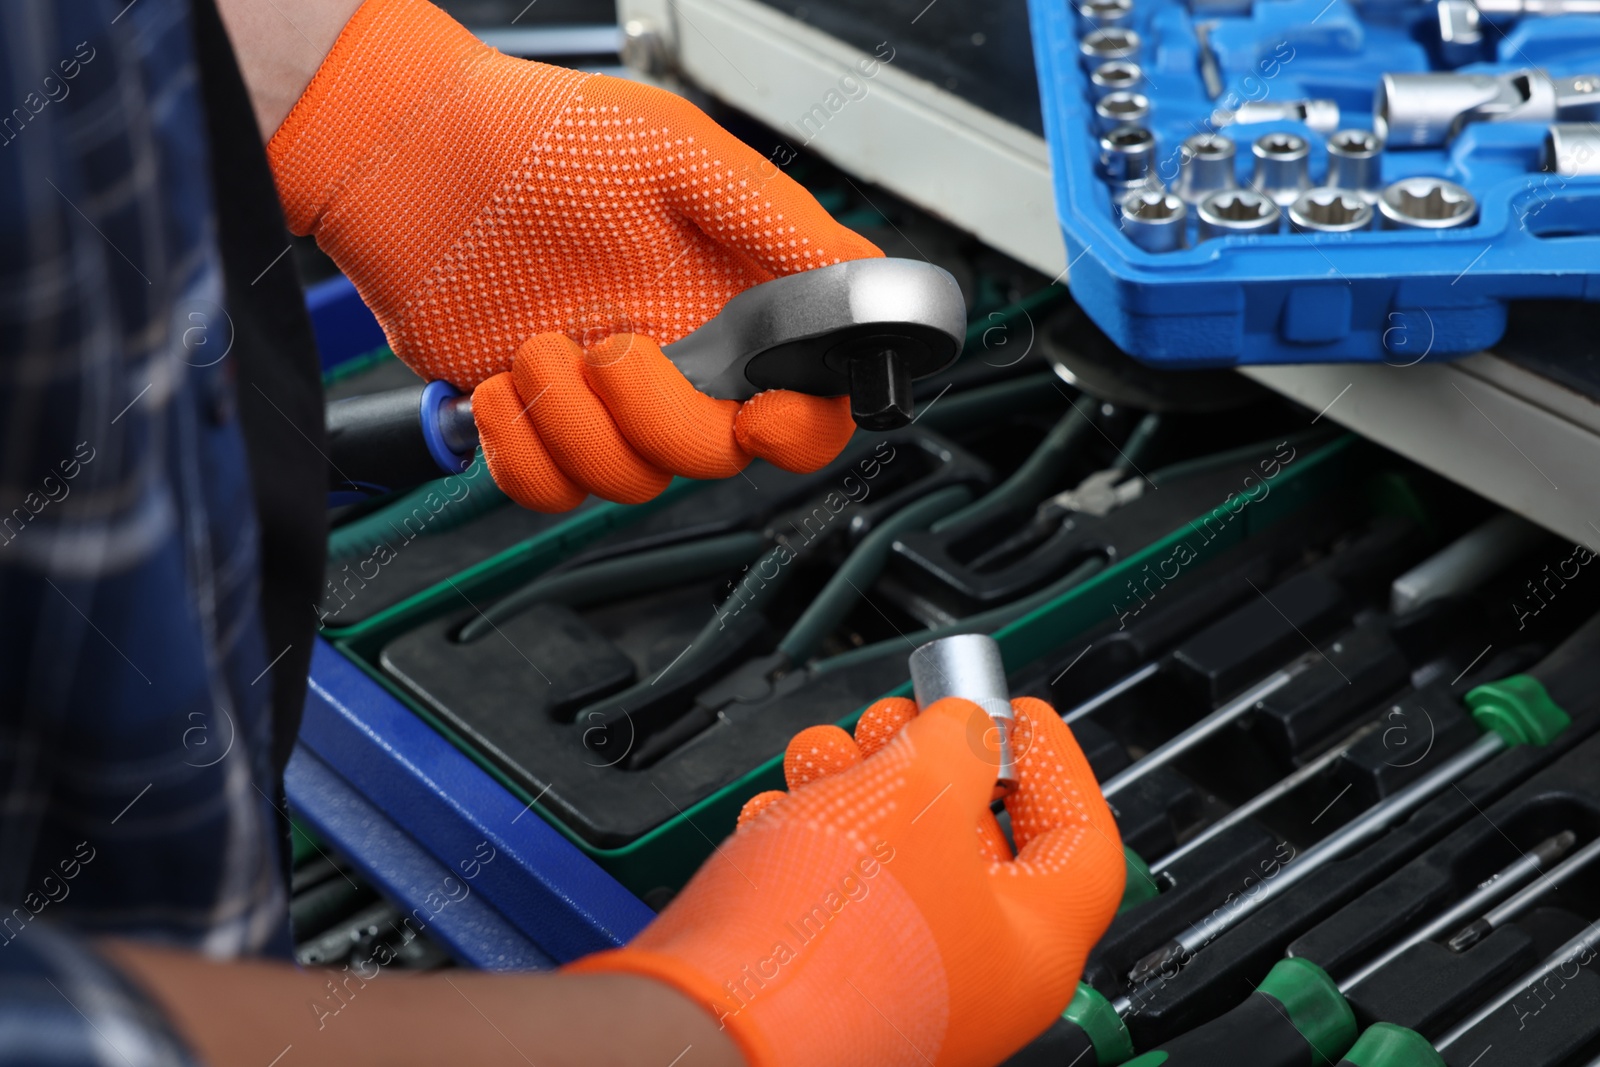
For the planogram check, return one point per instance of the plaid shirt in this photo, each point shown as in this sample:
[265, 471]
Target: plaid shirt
[136, 793]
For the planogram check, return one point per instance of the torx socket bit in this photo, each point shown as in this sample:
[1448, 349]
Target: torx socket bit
[1429, 110]
[1114, 43]
[1235, 211]
[1121, 109]
[1329, 210]
[1154, 220]
[1355, 162]
[1205, 166]
[1115, 76]
[1283, 166]
[1426, 204]
[1126, 156]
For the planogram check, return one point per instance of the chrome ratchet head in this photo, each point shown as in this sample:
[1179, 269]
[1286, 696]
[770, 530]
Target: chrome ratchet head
[867, 328]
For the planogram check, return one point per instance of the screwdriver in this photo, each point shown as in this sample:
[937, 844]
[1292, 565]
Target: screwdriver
[1280, 788]
[1513, 711]
[1299, 1015]
[1479, 929]
[1389, 1045]
[1498, 885]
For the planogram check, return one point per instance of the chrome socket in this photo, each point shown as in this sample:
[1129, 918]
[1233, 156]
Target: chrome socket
[1127, 156]
[1355, 162]
[1329, 210]
[1121, 109]
[1572, 149]
[1102, 14]
[1205, 166]
[1429, 110]
[1154, 220]
[1283, 166]
[1114, 44]
[1426, 204]
[969, 667]
[1234, 211]
[1117, 76]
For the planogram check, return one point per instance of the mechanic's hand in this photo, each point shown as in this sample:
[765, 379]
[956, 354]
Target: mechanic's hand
[478, 201]
[856, 920]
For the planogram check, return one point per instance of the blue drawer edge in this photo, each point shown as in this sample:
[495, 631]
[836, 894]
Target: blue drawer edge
[374, 778]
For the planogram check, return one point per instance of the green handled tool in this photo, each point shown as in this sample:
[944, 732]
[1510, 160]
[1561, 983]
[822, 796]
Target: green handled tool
[1298, 1015]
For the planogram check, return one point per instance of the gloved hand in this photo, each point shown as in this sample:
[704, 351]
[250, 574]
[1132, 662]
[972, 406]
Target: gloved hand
[856, 920]
[487, 208]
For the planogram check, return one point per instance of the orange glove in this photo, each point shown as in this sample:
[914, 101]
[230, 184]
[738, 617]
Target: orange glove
[856, 921]
[478, 200]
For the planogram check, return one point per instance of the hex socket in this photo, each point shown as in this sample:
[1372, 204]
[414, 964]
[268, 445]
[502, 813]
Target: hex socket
[1111, 44]
[1237, 211]
[1154, 220]
[1355, 161]
[1426, 204]
[1205, 166]
[1126, 155]
[1329, 210]
[1121, 109]
[1115, 76]
[1282, 167]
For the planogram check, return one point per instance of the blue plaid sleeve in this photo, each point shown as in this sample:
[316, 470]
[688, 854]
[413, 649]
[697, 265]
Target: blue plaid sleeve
[136, 792]
[62, 1006]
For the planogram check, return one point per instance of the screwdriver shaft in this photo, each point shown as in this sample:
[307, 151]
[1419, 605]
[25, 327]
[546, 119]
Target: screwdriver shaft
[1504, 881]
[1364, 827]
[1578, 951]
[1111, 692]
[1273, 792]
[1207, 727]
[1493, 920]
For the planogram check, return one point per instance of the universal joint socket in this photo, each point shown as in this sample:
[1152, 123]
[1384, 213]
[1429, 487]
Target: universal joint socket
[1283, 166]
[1205, 166]
[1429, 110]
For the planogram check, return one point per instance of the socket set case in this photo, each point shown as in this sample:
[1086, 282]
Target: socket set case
[1470, 181]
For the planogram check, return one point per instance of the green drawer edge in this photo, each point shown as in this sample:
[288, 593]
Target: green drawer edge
[669, 854]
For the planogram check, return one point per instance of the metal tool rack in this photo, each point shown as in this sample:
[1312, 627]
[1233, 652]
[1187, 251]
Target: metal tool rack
[1521, 427]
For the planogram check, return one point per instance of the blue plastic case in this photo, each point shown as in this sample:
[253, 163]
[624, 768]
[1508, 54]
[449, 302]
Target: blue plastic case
[1398, 296]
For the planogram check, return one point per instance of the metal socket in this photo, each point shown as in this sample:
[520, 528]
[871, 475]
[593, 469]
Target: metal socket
[1117, 76]
[1121, 109]
[969, 666]
[1154, 219]
[1102, 14]
[1319, 116]
[1205, 166]
[1283, 166]
[1108, 45]
[1426, 204]
[1355, 162]
[1429, 110]
[1572, 149]
[1329, 210]
[1126, 156]
[1237, 211]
